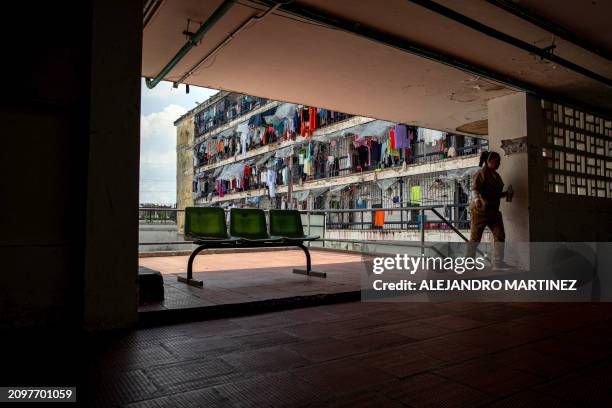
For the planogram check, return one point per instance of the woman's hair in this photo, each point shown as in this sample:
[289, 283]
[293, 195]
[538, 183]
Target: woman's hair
[483, 158]
[486, 155]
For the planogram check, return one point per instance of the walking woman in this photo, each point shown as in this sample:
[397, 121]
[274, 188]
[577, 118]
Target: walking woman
[487, 187]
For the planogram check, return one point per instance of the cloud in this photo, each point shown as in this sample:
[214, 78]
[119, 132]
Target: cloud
[160, 107]
[158, 155]
[156, 99]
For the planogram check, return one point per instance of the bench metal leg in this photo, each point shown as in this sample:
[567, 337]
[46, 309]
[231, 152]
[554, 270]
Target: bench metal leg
[308, 270]
[189, 280]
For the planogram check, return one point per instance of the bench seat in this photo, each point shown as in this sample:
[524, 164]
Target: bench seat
[206, 227]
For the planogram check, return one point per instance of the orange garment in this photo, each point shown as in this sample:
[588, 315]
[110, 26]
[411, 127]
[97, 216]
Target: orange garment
[379, 218]
[220, 146]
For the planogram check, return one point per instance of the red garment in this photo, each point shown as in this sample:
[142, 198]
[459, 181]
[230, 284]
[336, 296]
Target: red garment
[307, 127]
[304, 128]
[312, 112]
[392, 137]
[247, 170]
[302, 125]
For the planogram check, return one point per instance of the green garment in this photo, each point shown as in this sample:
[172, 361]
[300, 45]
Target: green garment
[415, 195]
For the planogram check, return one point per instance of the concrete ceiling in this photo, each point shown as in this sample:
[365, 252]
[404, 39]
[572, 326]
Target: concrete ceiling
[286, 58]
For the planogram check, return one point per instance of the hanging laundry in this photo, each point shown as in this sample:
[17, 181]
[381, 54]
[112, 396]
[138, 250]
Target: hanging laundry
[297, 123]
[379, 218]
[256, 120]
[391, 149]
[322, 113]
[415, 195]
[383, 149]
[375, 152]
[401, 137]
[271, 181]
[360, 141]
[219, 188]
[308, 167]
[243, 131]
[313, 119]
[305, 121]
[362, 152]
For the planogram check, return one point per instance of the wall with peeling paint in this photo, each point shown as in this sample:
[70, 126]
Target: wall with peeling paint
[184, 166]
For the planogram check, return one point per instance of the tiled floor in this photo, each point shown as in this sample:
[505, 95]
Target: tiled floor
[368, 355]
[244, 277]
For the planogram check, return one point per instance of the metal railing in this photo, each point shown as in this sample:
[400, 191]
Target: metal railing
[152, 215]
[420, 156]
[422, 225]
[400, 218]
[205, 123]
[227, 154]
[324, 171]
[328, 223]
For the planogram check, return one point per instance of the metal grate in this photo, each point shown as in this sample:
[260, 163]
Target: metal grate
[578, 152]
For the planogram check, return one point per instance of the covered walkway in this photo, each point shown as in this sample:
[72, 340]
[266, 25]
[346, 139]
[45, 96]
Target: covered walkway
[368, 355]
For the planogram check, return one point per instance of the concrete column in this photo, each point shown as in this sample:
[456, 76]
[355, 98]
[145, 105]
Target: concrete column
[518, 119]
[111, 253]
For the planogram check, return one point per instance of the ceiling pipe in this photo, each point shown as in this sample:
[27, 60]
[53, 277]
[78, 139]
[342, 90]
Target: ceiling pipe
[352, 27]
[498, 35]
[401, 44]
[226, 41]
[194, 39]
[549, 26]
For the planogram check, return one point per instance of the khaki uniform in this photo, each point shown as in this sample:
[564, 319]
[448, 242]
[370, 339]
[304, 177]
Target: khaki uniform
[487, 185]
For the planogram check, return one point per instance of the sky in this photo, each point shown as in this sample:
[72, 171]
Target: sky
[160, 107]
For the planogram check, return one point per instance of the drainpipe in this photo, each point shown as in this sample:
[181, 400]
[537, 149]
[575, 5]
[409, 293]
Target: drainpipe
[226, 41]
[194, 39]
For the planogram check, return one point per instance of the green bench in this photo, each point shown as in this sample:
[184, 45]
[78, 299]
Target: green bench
[206, 227]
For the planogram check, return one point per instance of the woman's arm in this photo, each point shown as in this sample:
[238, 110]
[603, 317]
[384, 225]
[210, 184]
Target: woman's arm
[477, 182]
